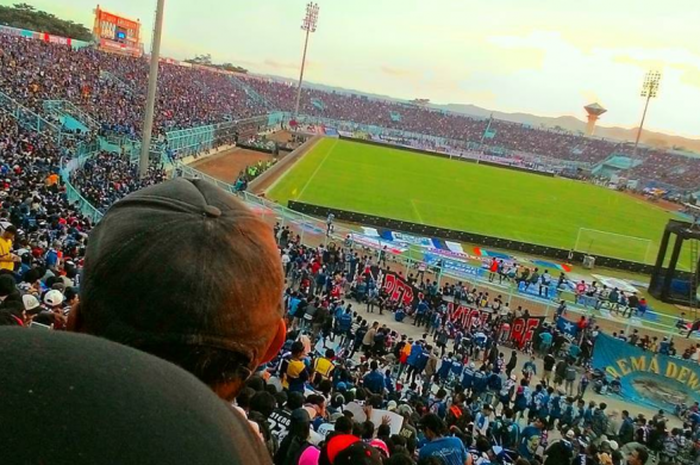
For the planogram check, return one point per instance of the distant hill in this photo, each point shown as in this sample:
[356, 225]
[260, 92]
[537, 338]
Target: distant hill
[570, 123]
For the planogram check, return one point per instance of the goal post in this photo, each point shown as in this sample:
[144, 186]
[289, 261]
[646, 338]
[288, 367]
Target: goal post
[614, 245]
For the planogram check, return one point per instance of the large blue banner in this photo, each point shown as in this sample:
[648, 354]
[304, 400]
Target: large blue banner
[653, 379]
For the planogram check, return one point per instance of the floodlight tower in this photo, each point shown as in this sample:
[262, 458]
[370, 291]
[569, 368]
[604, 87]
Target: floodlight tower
[594, 111]
[309, 25]
[650, 89]
[152, 87]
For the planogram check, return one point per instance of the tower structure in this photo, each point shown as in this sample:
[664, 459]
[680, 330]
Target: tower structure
[594, 111]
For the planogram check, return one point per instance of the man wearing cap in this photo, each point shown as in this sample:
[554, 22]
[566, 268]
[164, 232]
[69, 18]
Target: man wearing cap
[185, 271]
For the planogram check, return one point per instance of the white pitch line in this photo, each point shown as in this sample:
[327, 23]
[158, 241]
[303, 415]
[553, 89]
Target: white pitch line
[313, 175]
[415, 209]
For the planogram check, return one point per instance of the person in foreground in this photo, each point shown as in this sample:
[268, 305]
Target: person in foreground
[77, 399]
[184, 271]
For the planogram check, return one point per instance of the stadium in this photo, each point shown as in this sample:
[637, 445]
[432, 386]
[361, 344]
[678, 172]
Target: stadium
[153, 209]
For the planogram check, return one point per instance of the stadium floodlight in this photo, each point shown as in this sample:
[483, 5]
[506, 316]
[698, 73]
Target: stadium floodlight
[152, 87]
[650, 89]
[309, 25]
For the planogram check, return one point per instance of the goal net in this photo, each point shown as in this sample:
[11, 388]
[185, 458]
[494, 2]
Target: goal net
[609, 244]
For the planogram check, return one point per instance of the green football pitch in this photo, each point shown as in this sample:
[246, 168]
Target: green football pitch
[482, 199]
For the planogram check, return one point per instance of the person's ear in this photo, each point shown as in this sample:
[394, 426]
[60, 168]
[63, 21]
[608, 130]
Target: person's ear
[276, 343]
[75, 322]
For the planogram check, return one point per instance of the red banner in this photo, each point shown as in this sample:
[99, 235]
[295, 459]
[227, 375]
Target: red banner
[522, 330]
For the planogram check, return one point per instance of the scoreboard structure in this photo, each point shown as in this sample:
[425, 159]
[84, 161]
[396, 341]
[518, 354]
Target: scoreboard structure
[115, 33]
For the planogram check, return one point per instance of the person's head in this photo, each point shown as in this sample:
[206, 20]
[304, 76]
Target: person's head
[263, 402]
[367, 430]
[638, 456]
[374, 365]
[300, 424]
[185, 271]
[297, 349]
[8, 285]
[9, 233]
[81, 382]
[343, 425]
[295, 400]
[432, 426]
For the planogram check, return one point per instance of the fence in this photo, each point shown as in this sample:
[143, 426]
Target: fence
[27, 118]
[64, 107]
[185, 142]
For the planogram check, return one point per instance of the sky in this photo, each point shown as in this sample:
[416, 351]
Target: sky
[545, 57]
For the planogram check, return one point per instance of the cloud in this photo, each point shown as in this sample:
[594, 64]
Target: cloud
[398, 72]
[690, 74]
[288, 65]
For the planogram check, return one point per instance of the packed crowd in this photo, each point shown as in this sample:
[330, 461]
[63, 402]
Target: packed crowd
[112, 89]
[107, 177]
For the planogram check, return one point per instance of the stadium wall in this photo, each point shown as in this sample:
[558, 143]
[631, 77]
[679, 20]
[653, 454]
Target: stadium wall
[465, 236]
[446, 155]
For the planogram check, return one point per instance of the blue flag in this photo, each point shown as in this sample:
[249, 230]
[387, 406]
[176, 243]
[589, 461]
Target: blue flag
[567, 327]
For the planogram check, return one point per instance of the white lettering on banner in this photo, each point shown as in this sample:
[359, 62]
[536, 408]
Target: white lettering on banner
[58, 40]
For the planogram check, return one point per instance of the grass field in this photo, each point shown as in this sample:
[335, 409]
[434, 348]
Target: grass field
[482, 199]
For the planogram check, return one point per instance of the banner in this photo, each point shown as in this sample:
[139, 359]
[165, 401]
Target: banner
[398, 289]
[656, 380]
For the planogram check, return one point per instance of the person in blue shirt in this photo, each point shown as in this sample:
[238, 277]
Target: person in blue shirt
[545, 341]
[416, 361]
[468, 377]
[421, 313]
[530, 439]
[438, 405]
[456, 370]
[554, 406]
[445, 367]
[345, 327]
[374, 380]
[389, 382]
[449, 450]
[494, 384]
[480, 383]
[530, 368]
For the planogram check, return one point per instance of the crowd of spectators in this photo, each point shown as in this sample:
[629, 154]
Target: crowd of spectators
[675, 170]
[112, 88]
[107, 177]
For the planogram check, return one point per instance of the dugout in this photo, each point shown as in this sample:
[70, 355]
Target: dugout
[669, 284]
